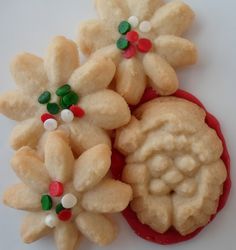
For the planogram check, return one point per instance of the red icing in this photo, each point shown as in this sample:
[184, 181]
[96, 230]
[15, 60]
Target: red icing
[144, 45]
[65, 215]
[56, 189]
[130, 52]
[77, 111]
[118, 163]
[132, 36]
[47, 116]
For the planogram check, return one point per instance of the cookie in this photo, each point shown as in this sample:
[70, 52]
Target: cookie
[143, 39]
[56, 92]
[66, 195]
[174, 165]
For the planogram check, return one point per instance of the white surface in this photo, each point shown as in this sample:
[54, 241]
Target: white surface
[28, 25]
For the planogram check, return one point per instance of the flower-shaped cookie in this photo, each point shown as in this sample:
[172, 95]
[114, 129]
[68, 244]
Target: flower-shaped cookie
[173, 165]
[65, 195]
[57, 85]
[143, 39]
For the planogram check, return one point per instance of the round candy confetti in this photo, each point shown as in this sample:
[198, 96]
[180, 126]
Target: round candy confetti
[70, 99]
[63, 90]
[46, 202]
[77, 111]
[53, 108]
[51, 220]
[47, 116]
[124, 27]
[122, 43]
[50, 124]
[62, 104]
[56, 189]
[132, 36]
[65, 215]
[59, 208]
[67, 115]
[133, 20]
[145, 26]
[44, 97]
[144, 45]
[68, 201]
[130, 52]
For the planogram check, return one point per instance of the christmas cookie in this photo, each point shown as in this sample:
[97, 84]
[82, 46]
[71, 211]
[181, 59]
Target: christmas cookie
[143, 39]
[67, 196]
[56, 92]
[177, 166]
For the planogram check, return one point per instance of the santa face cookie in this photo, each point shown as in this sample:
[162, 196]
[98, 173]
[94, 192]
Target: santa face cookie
[66, 196]
[55, 92]
[173, 163]
[143, 39]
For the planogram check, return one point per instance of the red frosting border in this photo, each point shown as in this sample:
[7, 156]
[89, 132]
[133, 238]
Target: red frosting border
[118, 162]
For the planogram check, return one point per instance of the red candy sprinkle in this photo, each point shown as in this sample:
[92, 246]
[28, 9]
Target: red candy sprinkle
[56, 189]
[132, 36]
[144, 45]
[65, 215]
[77, 111]
[130, 52]
[47, 116]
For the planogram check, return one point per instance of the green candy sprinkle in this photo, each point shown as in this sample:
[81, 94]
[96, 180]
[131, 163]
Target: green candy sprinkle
[44, 97]
[62, 104]
[124, 27]
[46, 202]
[59, 208]
[53, 108]
[70, 99]
[63, 90]
[122, 43]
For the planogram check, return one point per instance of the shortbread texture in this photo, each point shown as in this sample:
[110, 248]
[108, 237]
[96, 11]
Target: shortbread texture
[157, 67]
[173, 165]
[104, 109]
[84, 177]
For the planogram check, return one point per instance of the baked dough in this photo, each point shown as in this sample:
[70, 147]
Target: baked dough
[157, 67]
[84, 177]
[173, 165]
[34, 75]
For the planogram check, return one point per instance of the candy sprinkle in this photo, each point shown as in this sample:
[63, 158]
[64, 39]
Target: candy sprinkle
[44, 97]
[130, 52]
[53, 108]
[134, 21]
[59, 208]
[124, 27]
[65, 215]
[145, 26]
[122, 43]
[63, 90]
[67, 115]
[77, 111]
[46, 202]
[132, 36]
[56, 189]
[47, 116]
[50, 124]
[50, 220]
[68, 201]
[144, 45]
[70, 99]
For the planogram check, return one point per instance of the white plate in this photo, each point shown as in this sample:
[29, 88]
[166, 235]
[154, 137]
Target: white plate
[27, 25]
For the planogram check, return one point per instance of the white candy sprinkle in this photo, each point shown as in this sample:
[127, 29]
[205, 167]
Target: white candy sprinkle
[50, 220]
[145, 26]
[50, 124]
[67, 115]
[68, 201]
[133, 20]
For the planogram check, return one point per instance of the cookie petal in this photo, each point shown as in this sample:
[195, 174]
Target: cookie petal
[33, 227]
[110, 196]
[26, 133]
[162, 75]
[96, 227]
[91, 167]
[131, 80]
[59, 159]
[61, 60]
[173, 18]
[106, 109]
[92, 35]
[84, 135]
[112, 12]
[178, 52]
[30, 169]
[29, 73]
[16, 106]
[93, 76]
[66, 236]
[22, 197]
[144, 9]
